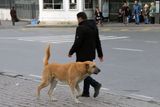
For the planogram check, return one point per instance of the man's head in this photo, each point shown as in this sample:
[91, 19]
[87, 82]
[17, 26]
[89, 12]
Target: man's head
[125, 4]
[13, 7]
[152, 3]
[135, 2]
[81, 16]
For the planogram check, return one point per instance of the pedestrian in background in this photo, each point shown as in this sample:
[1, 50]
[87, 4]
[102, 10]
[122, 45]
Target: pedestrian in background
[120, 16]
[152, 12]
[145, 13]
[98, 16]
[13, 15]
[86, 44]
[125, 13]
[136, 11]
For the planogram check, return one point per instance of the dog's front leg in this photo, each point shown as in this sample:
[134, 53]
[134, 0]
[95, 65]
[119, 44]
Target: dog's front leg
[78, 90]
[73, 91]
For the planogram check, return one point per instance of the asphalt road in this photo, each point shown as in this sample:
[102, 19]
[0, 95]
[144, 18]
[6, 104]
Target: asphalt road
[131, 56]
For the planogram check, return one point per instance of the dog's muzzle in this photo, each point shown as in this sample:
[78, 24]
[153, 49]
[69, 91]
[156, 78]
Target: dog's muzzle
[96, 71]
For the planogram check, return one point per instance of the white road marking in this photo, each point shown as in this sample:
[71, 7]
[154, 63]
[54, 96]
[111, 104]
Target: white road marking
[105, 89]
[154, 42]
[128, 49]
[35, 76]
[137, 96]
[60, 38]
[112, 37]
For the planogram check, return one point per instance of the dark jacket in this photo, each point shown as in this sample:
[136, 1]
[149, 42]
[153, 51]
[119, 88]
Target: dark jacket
[86, 41]
[13, 14]
[125, 10]
[98, 15]
[136, 9]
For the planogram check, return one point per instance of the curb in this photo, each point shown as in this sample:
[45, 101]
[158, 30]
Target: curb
[105, 25]
[49, 26]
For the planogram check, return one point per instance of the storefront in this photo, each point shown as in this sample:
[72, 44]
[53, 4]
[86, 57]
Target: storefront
[116, 4]
[65, 11]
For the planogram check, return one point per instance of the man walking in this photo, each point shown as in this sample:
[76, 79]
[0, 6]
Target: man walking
[152, 11]
[125, 13]
[85, 45]
[13, 15]
[136, 11]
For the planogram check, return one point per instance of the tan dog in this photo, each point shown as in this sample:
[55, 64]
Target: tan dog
[70, 73]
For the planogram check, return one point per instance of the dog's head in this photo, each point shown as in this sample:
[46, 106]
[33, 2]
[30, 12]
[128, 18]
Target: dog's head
[91, 67]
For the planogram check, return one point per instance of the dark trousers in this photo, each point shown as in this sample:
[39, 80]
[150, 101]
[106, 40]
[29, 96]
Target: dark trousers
[13, 22]
[88, 81]
[152, 20]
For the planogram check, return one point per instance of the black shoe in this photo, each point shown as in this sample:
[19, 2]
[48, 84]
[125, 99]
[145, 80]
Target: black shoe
[85, 95]
[96, 89]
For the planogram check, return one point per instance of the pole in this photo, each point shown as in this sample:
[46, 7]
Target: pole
[157, 16]
[157, 6]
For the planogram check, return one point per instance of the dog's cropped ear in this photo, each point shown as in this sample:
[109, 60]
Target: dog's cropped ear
[87, 66]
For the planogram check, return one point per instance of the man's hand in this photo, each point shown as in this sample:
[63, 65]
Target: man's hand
[69, 56]
[101, 59]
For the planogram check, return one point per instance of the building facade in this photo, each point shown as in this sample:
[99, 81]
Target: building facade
[65, 10]
[26, 9]
[62, 10]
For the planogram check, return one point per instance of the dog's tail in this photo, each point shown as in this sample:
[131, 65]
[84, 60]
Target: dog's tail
[47, 55]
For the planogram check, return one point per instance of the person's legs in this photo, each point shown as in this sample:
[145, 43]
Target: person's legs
[145, 20]
[137, 19]
[86, 86]
[152, 20]
[90, 81]
[96, 85]
[123, 19]
[13, 22]
[126, 20]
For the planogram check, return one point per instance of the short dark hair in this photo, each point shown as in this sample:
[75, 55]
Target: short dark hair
[82, 15]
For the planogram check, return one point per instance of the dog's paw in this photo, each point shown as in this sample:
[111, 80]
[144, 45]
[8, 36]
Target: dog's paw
[38, 97]
[77, 101]
[78, 96]
[54, 99]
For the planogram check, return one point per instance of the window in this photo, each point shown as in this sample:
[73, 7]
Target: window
[47, 4]
[88, 4]
[53, 4]
[58, 4]
[7, 3]
[72, 4]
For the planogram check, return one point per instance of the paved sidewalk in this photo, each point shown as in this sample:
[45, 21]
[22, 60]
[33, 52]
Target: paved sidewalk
[21, 24]
[17, 91]
[7, 24]
[110, 24]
